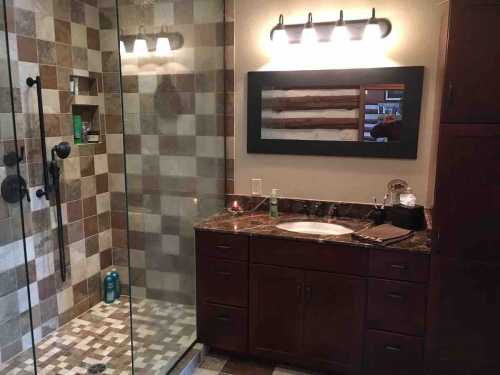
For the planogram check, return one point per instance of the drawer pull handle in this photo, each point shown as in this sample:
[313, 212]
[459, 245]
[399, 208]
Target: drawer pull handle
[400, 267]
[222, 247]
[395, 296]
[391, 348]
[225, 274]
[222, 318]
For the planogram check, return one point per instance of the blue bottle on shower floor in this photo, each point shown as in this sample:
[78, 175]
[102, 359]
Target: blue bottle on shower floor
[109, 288]
[116, 277]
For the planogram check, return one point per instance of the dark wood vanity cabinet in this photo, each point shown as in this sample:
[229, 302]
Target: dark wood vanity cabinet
[332, 307]
[312, 315]
[334, 320]
[276, 312]
[471, 90]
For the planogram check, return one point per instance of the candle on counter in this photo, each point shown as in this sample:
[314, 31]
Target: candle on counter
[236, 206]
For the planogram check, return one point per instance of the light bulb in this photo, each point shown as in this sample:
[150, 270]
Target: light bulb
[309, 36]
[340, 34]
[140, 47]
[372, 32]
[163, 47]
[123, 51]
[280, 37]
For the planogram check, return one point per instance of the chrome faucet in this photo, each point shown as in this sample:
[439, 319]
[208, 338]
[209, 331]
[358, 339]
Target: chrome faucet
[332, 211]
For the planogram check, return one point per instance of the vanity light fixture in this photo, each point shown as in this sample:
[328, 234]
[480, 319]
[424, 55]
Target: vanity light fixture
[163, 46]
[341, 30]
[280, 36]
[140, 44]
[123, 50]
[340, 33]
[372, 29]
[309, 35]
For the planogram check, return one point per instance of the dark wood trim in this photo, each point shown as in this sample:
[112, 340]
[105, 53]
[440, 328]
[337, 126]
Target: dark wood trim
[304, 103]
[361, 124]
[310, 123]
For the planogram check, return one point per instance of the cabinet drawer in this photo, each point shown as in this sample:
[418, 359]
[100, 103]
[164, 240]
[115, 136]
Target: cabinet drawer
[222, 245]
[223, 327]
[388, 353]
[396, 306]
[399, 265]
[309, 255]
[223, 281]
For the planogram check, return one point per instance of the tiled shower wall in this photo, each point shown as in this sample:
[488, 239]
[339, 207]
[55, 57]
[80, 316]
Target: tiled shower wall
[54, 39]
[174, 140]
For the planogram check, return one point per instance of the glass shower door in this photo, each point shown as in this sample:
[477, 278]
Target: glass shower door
[69, 48]
[172, 59]
[16, 264]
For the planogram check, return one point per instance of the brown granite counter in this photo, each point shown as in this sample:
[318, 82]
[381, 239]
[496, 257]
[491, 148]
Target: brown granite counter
[260, 224]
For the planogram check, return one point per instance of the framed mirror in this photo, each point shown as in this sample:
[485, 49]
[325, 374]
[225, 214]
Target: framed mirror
[353, 112]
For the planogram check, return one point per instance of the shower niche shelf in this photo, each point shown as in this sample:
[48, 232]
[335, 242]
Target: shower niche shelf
[83, 86]
[86, 121]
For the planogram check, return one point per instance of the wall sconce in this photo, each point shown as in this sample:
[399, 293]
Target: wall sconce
[372, 29]
[309, 35]
[163, 47]
[140, 43]
[340, 34]
[360, 29]
[161, 44]
[280, 36]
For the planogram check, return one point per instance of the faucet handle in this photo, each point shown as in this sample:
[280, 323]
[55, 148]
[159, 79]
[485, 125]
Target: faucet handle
[313, 208]
[333, 210]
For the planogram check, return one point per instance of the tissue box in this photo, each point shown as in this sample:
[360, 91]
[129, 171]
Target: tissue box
[408, 217]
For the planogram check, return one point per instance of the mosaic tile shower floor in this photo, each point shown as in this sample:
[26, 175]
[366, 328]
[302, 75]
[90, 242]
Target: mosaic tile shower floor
[162, 332]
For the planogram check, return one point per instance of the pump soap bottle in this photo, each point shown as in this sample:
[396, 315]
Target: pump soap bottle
[273, 204]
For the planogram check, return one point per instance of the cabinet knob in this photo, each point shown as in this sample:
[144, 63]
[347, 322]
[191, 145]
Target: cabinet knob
[400, 267]
[391, 348]
[299, 290]
[449, 95]
[395, 296]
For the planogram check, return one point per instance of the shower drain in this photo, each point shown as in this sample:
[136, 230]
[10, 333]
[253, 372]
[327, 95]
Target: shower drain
[98, 368]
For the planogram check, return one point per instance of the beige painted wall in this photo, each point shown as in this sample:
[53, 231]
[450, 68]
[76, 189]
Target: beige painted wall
[413, 41]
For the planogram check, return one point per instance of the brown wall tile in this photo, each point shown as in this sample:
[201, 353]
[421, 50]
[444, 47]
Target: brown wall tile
[26, 49]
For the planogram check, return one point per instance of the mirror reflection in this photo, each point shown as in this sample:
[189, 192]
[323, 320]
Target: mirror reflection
[369, 113]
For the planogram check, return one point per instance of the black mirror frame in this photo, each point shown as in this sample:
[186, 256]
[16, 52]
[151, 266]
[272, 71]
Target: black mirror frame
[412, 77]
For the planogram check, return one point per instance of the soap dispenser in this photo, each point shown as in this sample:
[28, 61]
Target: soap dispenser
[273, 204]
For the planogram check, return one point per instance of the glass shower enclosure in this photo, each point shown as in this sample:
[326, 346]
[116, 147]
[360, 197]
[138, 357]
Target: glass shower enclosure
[111, 146]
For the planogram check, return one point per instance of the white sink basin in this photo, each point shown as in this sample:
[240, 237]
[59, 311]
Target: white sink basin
[311, 227]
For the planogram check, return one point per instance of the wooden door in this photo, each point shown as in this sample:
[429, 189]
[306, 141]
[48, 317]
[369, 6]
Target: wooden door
[333, 320]
[465, 311]
[276, 311]
[467, 199]
[472, 84]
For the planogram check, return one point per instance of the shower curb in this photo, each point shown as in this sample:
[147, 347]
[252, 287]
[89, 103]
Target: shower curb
[189, 363]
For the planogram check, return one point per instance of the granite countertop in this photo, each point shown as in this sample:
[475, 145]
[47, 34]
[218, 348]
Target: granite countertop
[260, 224]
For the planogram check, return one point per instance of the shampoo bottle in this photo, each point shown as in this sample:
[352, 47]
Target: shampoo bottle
[116, 279]
[109, 288]
[77, 128]
[273, 204]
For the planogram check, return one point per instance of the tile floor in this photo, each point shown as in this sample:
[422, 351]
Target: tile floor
[215, 364]
[162, 332]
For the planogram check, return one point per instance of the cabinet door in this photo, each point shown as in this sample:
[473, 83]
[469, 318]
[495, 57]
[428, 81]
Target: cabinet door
[472, 74]
[467, 200]
[276, 311]
[333, 324]
[465, 311]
